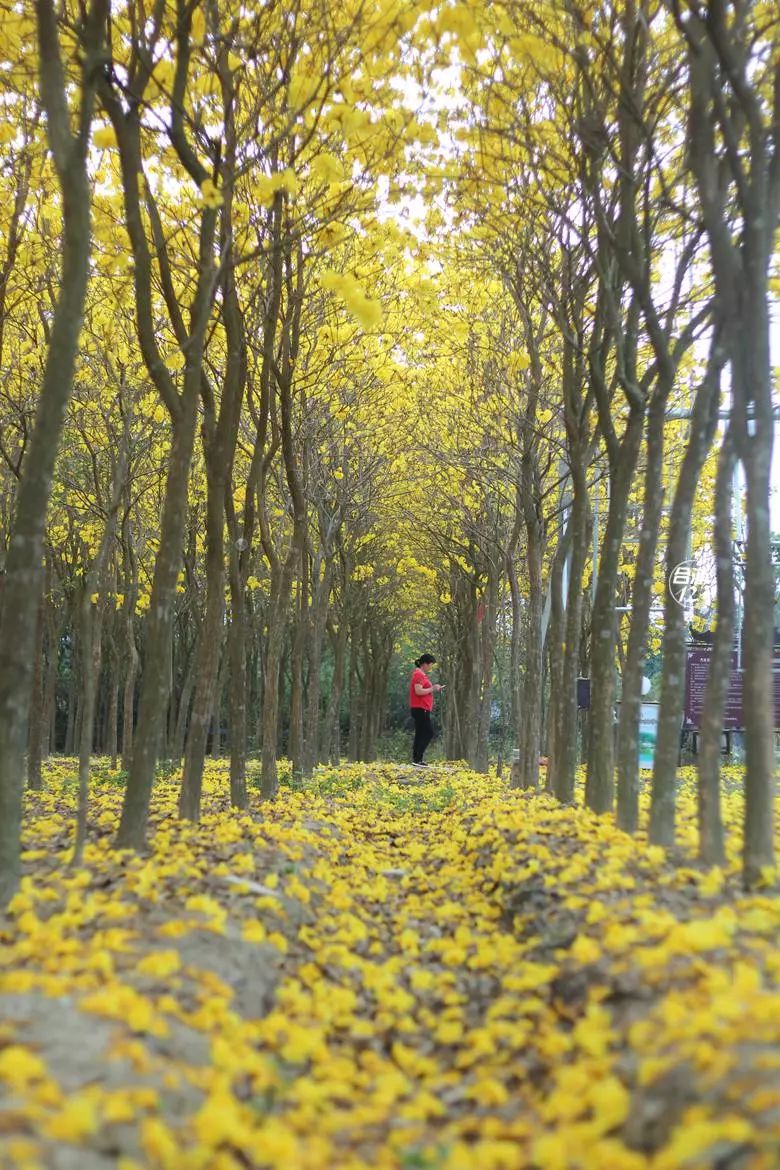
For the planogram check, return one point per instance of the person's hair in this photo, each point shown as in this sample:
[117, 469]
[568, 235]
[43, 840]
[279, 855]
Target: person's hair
[424, 659]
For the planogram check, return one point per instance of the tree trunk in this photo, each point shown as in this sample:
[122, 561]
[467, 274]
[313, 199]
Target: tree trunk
[667, 749]
[216, 718]
[181, 689]
[319, 617]
[111, 745]
[52, 670]
[299, 642]
[583, 667]
[332, 745]
[277, 623]
[379, 705]
[724, 101]
[712, 850]
[752, 376]
[207, 656]
[470, 723]
[530, 740]
[600, 776]
[368, 693]
[641, 601]
[554, 636]
[219, 434]
[485, 691]
[257, 680]
[564, 764]
[237, 651]
[467, 662]
[91, 641]
[154, 696]
[456, 670]
[35, 736]
[283, 693]
[23, 575]
[79, 720]
[91, 626]
[281, 588]
[516, 669]
[183, 410]
[128, 694]
[73, 676]
[353, 743]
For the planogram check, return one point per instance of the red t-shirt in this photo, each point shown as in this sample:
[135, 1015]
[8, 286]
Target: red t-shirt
[415, 700]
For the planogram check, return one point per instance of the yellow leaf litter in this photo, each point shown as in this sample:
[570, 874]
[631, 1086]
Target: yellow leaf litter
[369, 974]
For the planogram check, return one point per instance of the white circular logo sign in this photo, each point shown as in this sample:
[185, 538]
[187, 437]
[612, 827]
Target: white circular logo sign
[684, 582]
[692, 583]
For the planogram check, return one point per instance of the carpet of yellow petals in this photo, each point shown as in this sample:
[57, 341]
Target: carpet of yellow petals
[372, 973]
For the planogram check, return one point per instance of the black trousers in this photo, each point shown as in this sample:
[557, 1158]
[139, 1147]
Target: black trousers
[423, 733]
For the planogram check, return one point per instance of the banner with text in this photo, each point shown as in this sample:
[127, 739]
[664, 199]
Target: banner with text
[697, 671]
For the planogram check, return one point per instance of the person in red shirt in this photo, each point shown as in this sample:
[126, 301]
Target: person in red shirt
[421, 692]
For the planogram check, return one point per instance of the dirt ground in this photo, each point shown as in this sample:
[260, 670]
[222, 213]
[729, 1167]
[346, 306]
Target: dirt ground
[373, 972]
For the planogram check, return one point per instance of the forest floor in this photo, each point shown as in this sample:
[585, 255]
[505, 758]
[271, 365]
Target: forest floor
[376, 973]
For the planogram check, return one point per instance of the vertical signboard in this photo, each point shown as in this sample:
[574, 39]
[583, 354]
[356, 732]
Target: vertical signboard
[648, 731]
[697, 671]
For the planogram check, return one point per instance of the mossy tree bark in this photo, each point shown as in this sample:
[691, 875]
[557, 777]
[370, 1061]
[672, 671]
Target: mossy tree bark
[24, 564]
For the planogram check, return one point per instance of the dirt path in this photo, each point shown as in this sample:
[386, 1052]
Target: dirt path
[371, 974]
